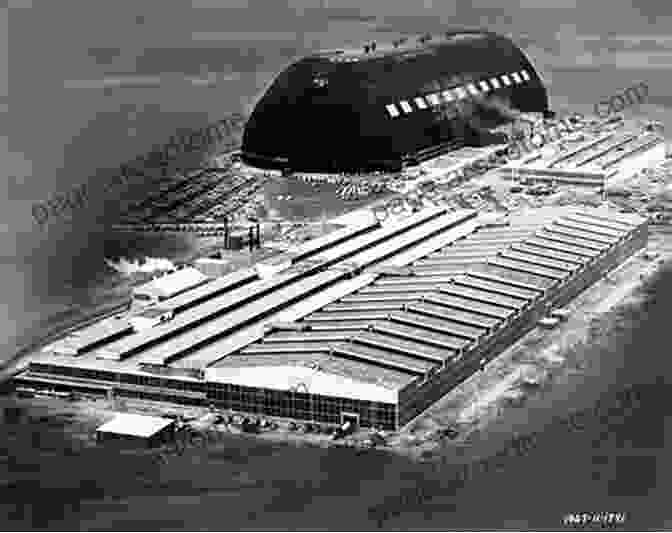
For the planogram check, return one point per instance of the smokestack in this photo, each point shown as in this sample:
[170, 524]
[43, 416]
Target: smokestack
[226, 232]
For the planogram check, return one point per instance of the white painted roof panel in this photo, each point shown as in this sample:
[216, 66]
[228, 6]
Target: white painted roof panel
[135, 425]
[171, 284]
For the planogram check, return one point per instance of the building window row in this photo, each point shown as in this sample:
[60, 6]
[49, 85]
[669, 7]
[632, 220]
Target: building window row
[458, 93]
[244, 399]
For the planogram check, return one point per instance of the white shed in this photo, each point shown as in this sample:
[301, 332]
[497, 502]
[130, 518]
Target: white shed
[127, 426]
[169, 285]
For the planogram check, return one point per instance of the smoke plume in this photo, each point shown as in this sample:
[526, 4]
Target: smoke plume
[150, 264]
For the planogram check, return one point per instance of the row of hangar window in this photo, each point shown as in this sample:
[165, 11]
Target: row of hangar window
[221, 391]
[385, 418]
[307, 410]
[228, 392]
[459, 93]
[130, 379]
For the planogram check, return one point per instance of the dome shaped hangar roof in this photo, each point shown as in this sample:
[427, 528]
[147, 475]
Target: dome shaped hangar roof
[348, 110]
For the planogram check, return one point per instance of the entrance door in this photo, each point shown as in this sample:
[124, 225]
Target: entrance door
[353, 418]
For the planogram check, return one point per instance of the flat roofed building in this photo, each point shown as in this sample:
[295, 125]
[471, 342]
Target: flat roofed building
[151, 430]
[169, 285]
[213, 267]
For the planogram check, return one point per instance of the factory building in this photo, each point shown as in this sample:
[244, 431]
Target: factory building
[607, 159]
[370, 324]
[373, 109]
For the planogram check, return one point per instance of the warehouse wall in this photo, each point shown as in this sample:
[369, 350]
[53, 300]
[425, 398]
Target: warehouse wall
[300, 405]
[417, 396]
[286, 404]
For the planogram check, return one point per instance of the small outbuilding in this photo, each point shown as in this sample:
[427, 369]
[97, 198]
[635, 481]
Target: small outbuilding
[169, 285]
[134, 428]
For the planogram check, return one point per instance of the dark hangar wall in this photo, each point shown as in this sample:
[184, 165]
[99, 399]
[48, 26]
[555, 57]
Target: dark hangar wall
[350, 112]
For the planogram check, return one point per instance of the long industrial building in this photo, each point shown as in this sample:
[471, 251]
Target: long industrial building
[608, 159]
[371, 323]
[377, 107]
